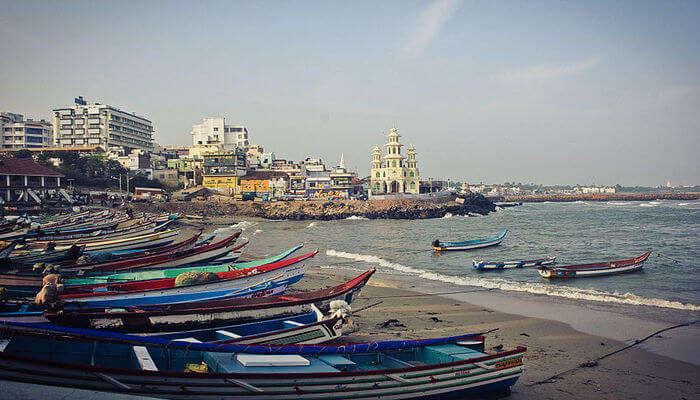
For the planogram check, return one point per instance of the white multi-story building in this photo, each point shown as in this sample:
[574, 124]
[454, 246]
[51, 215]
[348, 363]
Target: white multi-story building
[18, 133]
[215, 131]
[101, 125]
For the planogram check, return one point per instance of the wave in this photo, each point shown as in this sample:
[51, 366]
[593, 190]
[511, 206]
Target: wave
[311, 225]
[617, 203]
[355, 217]
[448, 215]
[648, 205]
[257, 231]
[580, 202]
[683, 204]
[656, 203]
[243, 225]
[512, 286]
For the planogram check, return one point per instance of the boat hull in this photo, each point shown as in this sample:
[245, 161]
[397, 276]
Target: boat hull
[484, 265]
[595, 270]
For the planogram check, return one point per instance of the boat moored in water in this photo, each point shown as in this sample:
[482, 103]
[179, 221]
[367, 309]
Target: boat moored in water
[482, 265]
[470, 244]
[595, 269]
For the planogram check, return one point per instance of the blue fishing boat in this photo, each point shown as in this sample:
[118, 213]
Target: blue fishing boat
[450, 367]
[480, 265]
[470, 244]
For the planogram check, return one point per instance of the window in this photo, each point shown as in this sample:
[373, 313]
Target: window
[413, 185]
[377, 174]
[393, 163]
[412, 174]
[404, 174]
[216, 129]
[384, 174]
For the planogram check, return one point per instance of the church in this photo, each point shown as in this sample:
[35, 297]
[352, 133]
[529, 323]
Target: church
[393, 173]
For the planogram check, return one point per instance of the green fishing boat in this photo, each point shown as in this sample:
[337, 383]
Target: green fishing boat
[174, 272]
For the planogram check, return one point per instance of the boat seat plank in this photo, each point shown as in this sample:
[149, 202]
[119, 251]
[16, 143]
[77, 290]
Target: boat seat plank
[267, 360]
[143, 357]
[335, 360]
[224, 363]
[3, 344]
[229, 334]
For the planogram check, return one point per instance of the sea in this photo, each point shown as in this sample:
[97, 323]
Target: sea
[575, 232]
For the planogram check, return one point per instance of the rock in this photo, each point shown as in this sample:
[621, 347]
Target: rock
[391, 323]
[435, 319]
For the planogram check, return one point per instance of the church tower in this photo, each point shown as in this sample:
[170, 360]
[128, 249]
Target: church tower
[392, 173]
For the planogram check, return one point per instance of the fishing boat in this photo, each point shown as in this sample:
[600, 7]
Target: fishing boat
[29, 282]
[450, 367]
[272, 278]
[194, 256]
[174, 272]
[513, 264]
[49, 254]
[595, 269]
[130, 231]
[309, 328]
[196, 315]
[470, 244]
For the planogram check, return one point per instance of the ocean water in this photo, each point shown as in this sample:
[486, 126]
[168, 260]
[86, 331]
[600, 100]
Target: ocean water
[578, 232]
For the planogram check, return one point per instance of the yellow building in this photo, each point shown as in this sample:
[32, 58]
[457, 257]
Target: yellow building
[394, 173]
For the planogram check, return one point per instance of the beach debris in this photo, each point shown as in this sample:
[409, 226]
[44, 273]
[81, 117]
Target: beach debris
[602, 344]
[435, 319]
[589, 364]
[498, 347]
[391, 323]
[524, 334]
[433, 313]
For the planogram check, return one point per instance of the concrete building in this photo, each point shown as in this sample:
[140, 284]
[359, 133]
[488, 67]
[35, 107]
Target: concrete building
[18, 133]
[100, 125]
[216, 131]
[393, 173]
[222, 170]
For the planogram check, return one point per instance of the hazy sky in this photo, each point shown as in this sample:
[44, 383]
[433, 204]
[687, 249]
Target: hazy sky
[550, 92]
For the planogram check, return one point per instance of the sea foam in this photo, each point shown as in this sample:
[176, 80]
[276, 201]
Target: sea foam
[355, 217]
[512, 286]
[447, 215]
[243, 225]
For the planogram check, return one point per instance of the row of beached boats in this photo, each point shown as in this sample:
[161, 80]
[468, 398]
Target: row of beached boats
[108, 301]
[544, 265]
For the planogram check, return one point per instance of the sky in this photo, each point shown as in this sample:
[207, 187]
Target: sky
[550, 92]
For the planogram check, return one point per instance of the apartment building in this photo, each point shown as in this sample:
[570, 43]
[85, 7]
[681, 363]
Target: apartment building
[215, 131]
[101, 125]
[18, 133]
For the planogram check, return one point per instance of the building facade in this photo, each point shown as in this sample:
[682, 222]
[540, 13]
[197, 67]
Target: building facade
[216, 131]
[101, 125]
[18, 133]
[393, 173]
[222, 170]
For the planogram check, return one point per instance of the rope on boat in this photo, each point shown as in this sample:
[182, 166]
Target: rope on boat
[594, 362]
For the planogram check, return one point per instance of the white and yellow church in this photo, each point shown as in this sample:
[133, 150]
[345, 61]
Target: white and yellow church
[393, 173]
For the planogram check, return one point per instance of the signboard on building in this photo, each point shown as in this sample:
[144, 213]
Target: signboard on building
[327, 194]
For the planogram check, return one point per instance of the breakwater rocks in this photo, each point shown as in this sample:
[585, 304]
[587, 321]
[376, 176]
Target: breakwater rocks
[323, 210]
[600, 197]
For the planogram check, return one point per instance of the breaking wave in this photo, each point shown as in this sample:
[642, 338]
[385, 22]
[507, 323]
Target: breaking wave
[617, 203]
[683, 204]
[534, 288]
[243, 225]
[355, 217]
[311, 225]
[447, 215]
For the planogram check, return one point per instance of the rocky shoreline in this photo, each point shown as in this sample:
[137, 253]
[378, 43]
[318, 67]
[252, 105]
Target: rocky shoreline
[323, 210]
